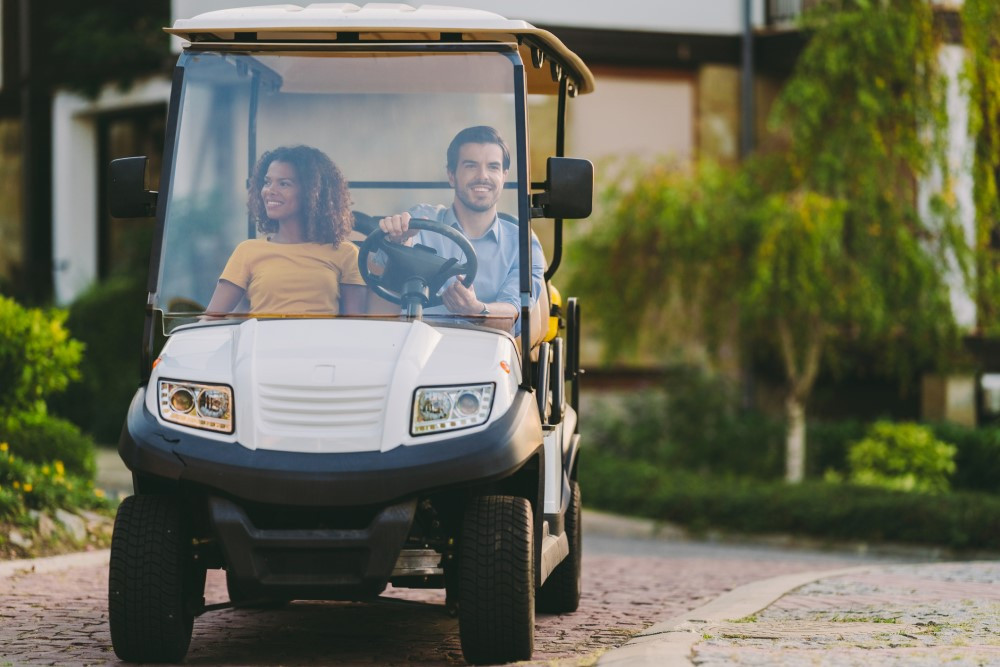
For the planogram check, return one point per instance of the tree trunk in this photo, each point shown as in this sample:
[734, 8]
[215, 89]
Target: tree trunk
[795, 439]
[801, 370]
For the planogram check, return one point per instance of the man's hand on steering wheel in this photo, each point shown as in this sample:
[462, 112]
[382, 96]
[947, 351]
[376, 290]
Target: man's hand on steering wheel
[415, 270]
[397, 228]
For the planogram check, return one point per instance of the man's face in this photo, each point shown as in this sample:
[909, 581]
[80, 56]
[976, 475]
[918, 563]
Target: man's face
[479, 176]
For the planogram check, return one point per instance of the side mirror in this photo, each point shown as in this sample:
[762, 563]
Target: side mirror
[569, 189]
[127, 193]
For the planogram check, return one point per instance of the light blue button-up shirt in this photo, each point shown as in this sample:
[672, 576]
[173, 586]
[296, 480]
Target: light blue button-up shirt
[497, 278]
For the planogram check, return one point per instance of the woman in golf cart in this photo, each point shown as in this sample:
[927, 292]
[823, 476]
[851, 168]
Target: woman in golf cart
[306, 266]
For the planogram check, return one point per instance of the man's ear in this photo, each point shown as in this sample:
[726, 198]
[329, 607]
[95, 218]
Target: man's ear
[451, 177]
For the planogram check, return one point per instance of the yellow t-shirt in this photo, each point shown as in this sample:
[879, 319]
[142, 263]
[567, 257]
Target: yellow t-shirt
[293, 278]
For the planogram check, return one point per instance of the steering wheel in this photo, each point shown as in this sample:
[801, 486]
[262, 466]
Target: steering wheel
[416, 263]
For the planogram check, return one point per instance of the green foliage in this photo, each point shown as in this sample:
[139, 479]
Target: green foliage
[692, 423]
[108, 319]
[902, 456]
[28, 486]
[977, 462]
[818, 250]
[91, 43]
[828, 444]
[826, 511]
[37, 357]
[669, 231]
[864, 100]
[42, 438]
[980, 27]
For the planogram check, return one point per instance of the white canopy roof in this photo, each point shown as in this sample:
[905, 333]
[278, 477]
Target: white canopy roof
[389, 22]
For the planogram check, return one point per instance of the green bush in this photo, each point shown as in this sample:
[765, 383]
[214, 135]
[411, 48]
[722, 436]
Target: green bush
[977, 463]
[37, 356]
[827, 444]
[812, 508]
[41, 438]
[28, 486]
[692, 423]
[108, 318]
[902, 456]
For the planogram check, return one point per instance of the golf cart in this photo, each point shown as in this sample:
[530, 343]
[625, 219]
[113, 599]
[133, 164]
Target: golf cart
[322, 457]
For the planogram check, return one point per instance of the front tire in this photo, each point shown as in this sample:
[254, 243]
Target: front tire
[153, 583]
[560, 594]
[496, 611]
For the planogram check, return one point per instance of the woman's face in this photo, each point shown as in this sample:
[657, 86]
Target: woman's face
[280, 192]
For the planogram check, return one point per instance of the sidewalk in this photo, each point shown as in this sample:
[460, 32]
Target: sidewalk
[928, 614]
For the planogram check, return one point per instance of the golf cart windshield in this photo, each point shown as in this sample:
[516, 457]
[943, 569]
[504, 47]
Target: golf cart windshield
[384, 118]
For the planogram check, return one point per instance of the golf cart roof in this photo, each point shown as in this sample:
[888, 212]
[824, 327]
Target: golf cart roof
[542, 52]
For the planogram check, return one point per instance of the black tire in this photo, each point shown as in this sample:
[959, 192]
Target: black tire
[560, 594]
[496, 610]
[241, 598]
[153, 583]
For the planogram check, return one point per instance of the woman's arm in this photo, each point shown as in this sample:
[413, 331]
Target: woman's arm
[353, 299]
[225, 298]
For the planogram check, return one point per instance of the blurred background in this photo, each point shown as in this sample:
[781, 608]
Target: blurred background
[793, 252]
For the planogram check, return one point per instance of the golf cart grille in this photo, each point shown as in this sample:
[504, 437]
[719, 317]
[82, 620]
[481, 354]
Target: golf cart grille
[326, 411]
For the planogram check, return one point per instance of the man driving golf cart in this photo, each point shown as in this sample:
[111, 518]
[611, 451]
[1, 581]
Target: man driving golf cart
[477, 164]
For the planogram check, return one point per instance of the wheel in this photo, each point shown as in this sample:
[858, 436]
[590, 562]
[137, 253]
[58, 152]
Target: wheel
[407, 263]
[154, 585]
[496, 610]
[560, 593]
[242, 598]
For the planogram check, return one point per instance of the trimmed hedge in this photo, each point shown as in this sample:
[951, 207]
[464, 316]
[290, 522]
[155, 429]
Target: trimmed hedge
[817, 509]
[696, 431]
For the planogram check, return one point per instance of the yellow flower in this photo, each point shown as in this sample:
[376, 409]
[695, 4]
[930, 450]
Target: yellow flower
[28, 488]
[4, 446]
[60, 468]
[99, 493]
[17, 484]
[45, 470]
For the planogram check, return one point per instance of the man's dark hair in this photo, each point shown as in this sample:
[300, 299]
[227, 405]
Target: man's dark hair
[480, 134]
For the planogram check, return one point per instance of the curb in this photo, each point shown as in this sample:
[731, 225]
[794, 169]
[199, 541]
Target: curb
[11, 568]
[669, 644]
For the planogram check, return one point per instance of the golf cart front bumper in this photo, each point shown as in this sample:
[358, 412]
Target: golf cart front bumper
[320, 526]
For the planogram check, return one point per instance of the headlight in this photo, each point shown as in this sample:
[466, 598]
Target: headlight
[206, 406]
[446, 408]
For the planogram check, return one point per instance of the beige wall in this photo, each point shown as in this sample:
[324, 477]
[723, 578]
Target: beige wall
[643, 113]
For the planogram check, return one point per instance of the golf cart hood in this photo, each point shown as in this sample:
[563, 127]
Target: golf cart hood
[332, 386]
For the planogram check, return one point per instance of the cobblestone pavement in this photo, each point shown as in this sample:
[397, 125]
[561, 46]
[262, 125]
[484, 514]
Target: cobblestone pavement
[932, 614]
[61, 617]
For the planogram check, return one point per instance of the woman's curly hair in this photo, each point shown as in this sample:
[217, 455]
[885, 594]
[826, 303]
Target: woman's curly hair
[326, 201]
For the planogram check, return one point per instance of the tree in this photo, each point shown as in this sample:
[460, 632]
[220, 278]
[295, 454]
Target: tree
[819, 244]
[90, 44]
[981, 25]
[799, 287]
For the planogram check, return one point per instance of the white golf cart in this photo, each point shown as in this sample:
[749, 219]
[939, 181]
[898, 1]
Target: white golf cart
[322, 457]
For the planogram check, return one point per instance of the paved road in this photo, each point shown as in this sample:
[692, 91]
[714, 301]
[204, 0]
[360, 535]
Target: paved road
[629, 583]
